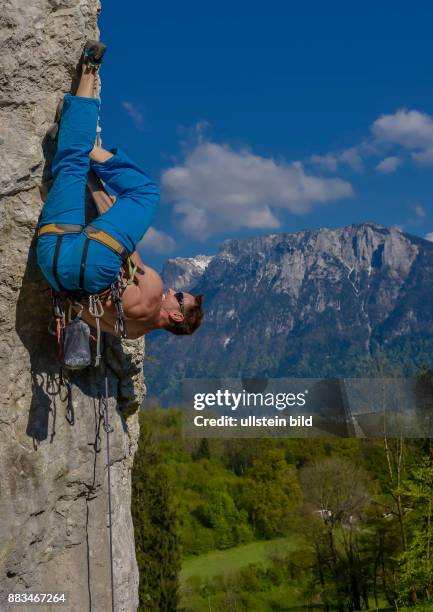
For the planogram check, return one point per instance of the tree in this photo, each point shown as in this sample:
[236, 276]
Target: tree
[416, 576]
[270, 493]
[337, 494]
[155, 526]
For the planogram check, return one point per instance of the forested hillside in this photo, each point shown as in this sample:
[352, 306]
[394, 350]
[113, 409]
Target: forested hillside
[281, 524]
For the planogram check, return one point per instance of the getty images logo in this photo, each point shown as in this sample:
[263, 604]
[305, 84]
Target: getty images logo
[224, 398]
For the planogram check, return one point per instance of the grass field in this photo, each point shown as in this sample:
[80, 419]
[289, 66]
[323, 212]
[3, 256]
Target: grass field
[220, 562]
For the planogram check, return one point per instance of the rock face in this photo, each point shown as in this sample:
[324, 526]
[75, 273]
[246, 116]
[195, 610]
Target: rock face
[53, 476]
[310, 304]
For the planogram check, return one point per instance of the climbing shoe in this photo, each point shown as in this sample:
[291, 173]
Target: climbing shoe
[93, 53]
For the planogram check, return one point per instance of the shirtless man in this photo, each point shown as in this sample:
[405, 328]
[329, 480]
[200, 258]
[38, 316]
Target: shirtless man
[84, 260]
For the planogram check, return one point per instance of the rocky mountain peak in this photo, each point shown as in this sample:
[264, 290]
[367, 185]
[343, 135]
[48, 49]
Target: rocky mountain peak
[310, 303]
[183, 273]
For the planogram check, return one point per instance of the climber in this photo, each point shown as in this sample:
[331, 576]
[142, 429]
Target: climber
[80, 260]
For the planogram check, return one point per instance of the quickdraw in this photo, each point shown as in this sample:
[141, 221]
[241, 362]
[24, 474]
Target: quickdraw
[116, 296]
[96, 310]
[59, 322]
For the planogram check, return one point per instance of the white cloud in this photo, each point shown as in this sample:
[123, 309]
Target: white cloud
[424, 158]
[389, 164]
[199, 131]
[418, 215]
[409, 128]
[135, 112]
[352, 158]
[419, 211]
[331, 161]
[157, 241]
[429, 236]
[217, 188]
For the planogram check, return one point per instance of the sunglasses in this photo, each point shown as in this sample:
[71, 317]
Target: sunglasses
[180, 298]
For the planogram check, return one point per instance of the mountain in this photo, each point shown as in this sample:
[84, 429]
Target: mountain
[185, 272]
[309, 304]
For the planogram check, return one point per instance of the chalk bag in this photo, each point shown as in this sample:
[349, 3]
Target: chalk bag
[76, 355]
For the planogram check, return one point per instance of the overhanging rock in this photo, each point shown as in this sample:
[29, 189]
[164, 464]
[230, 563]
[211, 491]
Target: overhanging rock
[53, 483]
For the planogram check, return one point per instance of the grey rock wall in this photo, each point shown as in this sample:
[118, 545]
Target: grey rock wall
[53, 477]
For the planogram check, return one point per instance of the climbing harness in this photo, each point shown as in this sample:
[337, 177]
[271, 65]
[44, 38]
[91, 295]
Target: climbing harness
[108, 429]
[74, 328]
[91, 232]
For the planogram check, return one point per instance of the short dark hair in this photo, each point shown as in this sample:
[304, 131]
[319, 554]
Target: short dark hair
[192, 320]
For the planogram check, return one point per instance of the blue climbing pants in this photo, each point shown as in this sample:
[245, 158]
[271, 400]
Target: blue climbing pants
[126, 221]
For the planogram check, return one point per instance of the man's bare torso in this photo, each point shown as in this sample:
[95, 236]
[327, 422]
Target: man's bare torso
[141, 302]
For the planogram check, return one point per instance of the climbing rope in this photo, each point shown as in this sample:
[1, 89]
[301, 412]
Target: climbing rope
[97, 310]
[108, 429]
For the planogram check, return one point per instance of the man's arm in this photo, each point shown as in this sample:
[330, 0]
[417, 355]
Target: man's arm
[101, 198]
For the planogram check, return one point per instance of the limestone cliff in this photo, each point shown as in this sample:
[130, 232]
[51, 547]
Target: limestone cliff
[53, 477]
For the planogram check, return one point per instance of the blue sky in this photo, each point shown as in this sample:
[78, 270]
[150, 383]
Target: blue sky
[265, 117]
